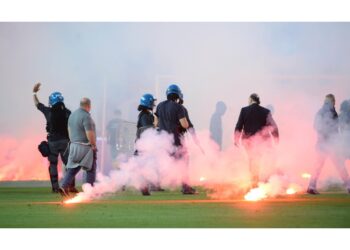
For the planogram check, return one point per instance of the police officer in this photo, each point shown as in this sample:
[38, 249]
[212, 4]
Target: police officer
[255, 126]
[170, 116]
[145, 121]
[56, 116]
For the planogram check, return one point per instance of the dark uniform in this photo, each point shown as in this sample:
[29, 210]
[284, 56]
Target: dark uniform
[145, 121]
[257, 126]
[57, 137]
[169, 113]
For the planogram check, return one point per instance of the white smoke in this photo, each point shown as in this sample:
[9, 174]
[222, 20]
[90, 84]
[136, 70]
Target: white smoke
[223, 173]
[290, 65]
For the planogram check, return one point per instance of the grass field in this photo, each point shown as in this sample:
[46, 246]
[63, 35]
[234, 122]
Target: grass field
[36, 207]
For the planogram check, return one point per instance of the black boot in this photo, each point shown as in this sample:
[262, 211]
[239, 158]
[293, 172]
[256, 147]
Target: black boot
[186, 189]
[145, 191]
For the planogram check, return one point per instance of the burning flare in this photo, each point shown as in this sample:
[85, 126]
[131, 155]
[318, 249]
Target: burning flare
[255, 194]
[76, 199]
[291, 191]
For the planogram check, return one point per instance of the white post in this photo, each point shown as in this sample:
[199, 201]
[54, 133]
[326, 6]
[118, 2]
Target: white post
[103, 136]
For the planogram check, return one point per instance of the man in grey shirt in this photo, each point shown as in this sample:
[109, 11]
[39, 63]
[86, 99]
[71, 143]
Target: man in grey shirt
[82, 150]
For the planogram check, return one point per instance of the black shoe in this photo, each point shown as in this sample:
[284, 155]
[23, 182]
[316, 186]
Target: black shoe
[63, 192]
[349, 190]
[55, 190]
[73, 190]
[188, 190]
[145, 191]
[312, 191]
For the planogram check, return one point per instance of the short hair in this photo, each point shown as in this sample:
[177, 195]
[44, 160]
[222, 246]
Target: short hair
[331, 97]
[84, 102]
[255, 98]
[173, 97]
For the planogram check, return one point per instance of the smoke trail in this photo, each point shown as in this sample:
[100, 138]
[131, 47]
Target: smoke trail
[285, 167]
[20, 159]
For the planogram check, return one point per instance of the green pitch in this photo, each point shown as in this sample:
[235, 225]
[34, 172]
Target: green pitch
[35, 207]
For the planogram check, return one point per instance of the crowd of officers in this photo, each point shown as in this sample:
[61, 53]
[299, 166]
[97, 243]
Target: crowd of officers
[73, 136]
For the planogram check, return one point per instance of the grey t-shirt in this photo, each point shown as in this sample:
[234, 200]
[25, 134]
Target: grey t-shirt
[79, 122]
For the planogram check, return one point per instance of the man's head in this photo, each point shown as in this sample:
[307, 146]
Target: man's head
[173, 92]
[221, 107]
[254, 98]
[85, 104]
[117, 113]
[330, 100]
[345, 106]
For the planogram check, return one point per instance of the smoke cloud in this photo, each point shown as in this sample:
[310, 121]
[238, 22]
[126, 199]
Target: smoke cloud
[292, 66]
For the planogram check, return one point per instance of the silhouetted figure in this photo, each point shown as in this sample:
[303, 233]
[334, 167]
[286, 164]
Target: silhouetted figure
[215, 127]
[344, 117]
[271, 108]
[327, 126]
[114, 134]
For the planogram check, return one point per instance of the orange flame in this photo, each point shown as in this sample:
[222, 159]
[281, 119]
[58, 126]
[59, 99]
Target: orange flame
[255, 194]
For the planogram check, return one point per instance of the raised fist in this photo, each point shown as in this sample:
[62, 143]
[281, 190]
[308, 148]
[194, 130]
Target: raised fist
[36, 87]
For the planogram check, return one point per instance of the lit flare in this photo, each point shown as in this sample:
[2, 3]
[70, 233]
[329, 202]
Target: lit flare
[255, 194]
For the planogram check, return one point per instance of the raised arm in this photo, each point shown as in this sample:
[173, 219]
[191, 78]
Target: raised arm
[36, 89]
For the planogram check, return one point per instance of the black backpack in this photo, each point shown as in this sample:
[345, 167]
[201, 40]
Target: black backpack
[44, 148]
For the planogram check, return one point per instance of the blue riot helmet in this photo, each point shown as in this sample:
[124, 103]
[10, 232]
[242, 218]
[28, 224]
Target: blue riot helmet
[147, 100]
[173, 89]
[55, 97]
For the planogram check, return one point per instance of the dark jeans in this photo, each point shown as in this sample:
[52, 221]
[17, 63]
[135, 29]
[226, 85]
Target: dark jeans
[90, 176]
[58, 147]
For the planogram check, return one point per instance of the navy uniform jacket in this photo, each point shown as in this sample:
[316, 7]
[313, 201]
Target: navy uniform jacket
[145, 121]
[169, 113]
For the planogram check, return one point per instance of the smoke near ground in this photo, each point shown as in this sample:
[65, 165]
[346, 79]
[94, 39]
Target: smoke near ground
[292, 66]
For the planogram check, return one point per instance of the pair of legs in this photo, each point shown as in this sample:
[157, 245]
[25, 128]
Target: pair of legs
[147, 185]
[89, 177]
[339, 163]
[182, 154]
[57, 148]
[255, 155]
